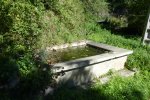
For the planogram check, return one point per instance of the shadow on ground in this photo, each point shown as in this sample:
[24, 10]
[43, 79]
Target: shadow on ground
[97, 93]
[28, 87]
[77, 94]
[33, 87]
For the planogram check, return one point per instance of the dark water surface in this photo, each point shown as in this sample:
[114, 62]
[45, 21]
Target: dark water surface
[72, 53]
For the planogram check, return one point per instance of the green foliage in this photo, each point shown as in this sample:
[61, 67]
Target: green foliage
[20, 23]
[96, 9]
[25, 65]
[26, 25]
[135, 15]
[135, 12]
[48, 4]
[140, 5]
[115, 22]
[20, 28]
[127, 89]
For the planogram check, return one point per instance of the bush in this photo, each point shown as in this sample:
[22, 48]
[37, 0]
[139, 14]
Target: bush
[20, 24]
[127, 9]
[135, 15]
[26, 23]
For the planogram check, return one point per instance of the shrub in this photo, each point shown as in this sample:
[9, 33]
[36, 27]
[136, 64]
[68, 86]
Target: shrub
[20, 24]
[127, 9]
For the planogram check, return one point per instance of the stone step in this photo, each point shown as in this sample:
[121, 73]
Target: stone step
[122, 73]
[148, 29]
[105, 79]
[147, 39]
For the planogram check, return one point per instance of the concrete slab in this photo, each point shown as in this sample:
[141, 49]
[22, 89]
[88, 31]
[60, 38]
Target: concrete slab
[122, 73]
[126, 73]
[105, 79]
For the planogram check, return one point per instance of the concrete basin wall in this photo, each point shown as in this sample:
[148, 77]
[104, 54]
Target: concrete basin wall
[84, 70]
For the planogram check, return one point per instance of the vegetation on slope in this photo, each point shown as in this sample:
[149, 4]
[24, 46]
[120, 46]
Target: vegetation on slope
[30, 25]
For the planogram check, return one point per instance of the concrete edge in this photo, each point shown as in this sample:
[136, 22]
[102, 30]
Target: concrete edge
[116, 53]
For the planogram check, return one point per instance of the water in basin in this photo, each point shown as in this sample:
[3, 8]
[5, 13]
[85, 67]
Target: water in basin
[72, 53]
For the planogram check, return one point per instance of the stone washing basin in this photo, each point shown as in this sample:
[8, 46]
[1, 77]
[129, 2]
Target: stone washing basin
[84, 70]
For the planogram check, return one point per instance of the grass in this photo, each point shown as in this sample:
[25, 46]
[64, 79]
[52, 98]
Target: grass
[118, 89]
[139, 59]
